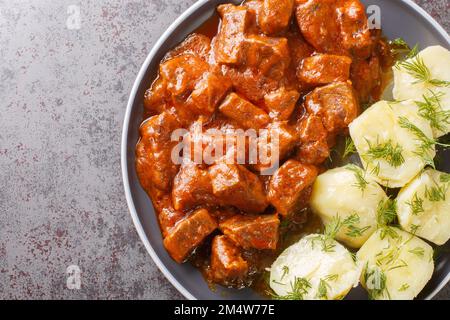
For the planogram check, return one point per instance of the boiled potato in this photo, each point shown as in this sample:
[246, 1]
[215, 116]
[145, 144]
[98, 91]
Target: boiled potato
[314, 268]
[349, 193]
[396, 264]
[389, 150]
[424, 206]
[408, 87]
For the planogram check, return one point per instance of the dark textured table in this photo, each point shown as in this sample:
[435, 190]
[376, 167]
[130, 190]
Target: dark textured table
[63, 91]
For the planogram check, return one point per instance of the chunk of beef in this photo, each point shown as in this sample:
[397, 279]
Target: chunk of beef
[298, 47]
[318, 24]
[270, 56]
[227, 265]
[314, 147]
[195, 44]
[234, 185]
[253, 232]
[354, 28]
[156, 98]
[250, 83]
[181, 75]
[168, 217]
[289, 189]
[314, 153]
[154, 165]
[324, 69]
[336, 104]
[192, 186]
[366, 77]
[208, 93]
[244, 112]
[335, 26]
[275, 15]
[311, 128]
[281, 103]
[274, 144]
[229, 42]
[188, 234]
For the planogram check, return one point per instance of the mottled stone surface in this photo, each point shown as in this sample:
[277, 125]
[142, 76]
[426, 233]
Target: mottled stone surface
[63, 95]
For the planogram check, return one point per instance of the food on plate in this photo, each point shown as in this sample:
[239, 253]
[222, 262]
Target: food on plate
[424, 206]
[349, 194]
[393, 141]
[396, 264]
[308, 270]
[425, 79]
[281, 84]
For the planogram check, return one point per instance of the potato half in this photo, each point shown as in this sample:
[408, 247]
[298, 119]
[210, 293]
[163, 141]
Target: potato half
[407, 86]
[396, 265]
[389, 138]
[351, 194]
[314, 268]
[424, 206]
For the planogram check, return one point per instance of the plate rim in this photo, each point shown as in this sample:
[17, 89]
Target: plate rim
[126, 126]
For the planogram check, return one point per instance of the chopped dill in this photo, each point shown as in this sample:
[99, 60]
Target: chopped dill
[417, 68]
[436, 193]
[353, 230]
[361, 182]
[349, 147]
[419, 251]
[299, 288]
[404, 287]
[322, 292]
[388, 232]
[430, 109]
[386, 151]
[414, 228]
[416, 205]
[285, 272]
[402, 264]
[376, 170]
[386, 212]
[427, 144]
[445, 177]
[387, 257]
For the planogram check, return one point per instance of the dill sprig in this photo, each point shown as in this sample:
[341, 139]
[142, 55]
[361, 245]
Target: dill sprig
[427, 145]
[285, 272]
[387, 257]
[404, 287]
[386, 151]
[386, 212]
[399, 45]
[322, 291]
[361, 182]
[445, 177]
[436, 193]
[416, 204]
[419, 251]
[430, 109]
[349, 147]
[417, 68]
[414, 228]
[326, 240]
[353, 230]
[299, 288]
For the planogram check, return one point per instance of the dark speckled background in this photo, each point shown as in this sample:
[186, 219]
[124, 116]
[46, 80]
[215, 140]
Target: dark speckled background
[62, 100]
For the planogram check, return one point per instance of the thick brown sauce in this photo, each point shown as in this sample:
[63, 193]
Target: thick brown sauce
[292, 230]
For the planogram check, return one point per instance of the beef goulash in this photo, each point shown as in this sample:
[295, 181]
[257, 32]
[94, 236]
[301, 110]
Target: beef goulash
[300, 68]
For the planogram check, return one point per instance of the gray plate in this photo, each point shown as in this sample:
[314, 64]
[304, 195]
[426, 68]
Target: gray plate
[400, 18]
